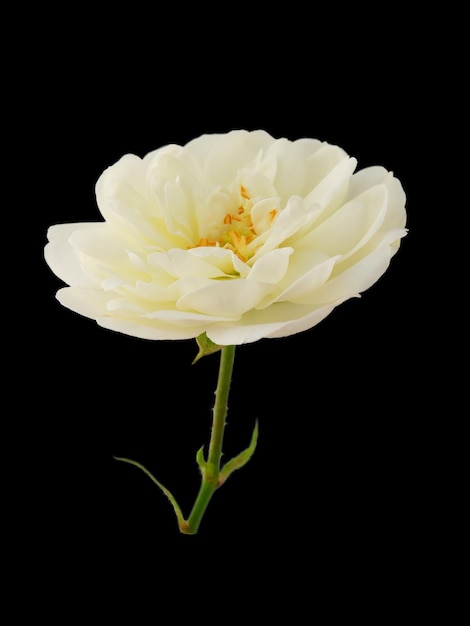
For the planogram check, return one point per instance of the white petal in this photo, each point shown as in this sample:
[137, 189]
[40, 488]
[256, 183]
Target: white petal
[103, 255]
[305, 323]
[184, 318]
[263, 213]
[366, 178]
[256, 185]
[229, 153]
[349, 227]
[177, 210]
[223, 258]
[240, 334]
[302, 289]
[125, 180]
[171, 162]
[271, 267]
[396, 214]
[331, 191]
[293, 171]
[226, 298]
[210, 211]
[371, 176]
[152, 232]
[153, 292]
[88, 302]
[309, 146]
[321, 164]
[184, 264]
[144, 329]
[191, 284]
[356, 278]
[126, 200]
[62, 258]
[103, 244]
[256, 325]
[291, 167]
[286, 223]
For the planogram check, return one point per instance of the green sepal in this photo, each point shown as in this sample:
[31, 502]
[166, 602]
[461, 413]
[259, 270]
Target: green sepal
[206, 347]
[182, 523]
[207, 469]
[239, 460]
[201, 461]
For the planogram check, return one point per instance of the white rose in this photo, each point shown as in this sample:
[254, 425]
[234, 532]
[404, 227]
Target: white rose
[238, 235]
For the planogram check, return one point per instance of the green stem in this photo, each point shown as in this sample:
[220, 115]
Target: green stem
[211, 468]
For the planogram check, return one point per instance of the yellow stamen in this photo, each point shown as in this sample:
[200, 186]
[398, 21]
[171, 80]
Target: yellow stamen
[241, 233]
[203, 241]
[244, 193]
[235, 237]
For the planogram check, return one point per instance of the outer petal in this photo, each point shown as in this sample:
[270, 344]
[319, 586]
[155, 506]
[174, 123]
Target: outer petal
[351, 226]
[304, 323]
[320, 164]
[125, 179]
[376, 175]
[331, 191]
[304, 289]
[144, 330]
[229, 298]
[246, 332]
[240, 334]
[62, 258]
[88, 302]
[356, 278]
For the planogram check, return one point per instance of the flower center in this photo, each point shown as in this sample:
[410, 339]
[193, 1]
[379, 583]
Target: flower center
[237, 230]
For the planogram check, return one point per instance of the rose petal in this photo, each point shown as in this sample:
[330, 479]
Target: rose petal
[125, 180]
[240, 334]
[177, 211]
[322, 164]
[286, 320]
[185, 318]
[291, 167]
[371, 176]
[61, 256]
[349, 227]
[223, 258]
[271, 267]
[88, 302]
[304, 323]
[303, 289]
[144, 329]
[225, 298]
[286, 223]
[225, 154]
[184, 264]
[357, 278]
[331, 191]
[263, 214]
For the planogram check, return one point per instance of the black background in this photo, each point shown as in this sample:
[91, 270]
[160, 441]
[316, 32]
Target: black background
[336, 495]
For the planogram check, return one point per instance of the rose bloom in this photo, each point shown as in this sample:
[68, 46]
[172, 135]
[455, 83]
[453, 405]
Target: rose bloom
[238, 235]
